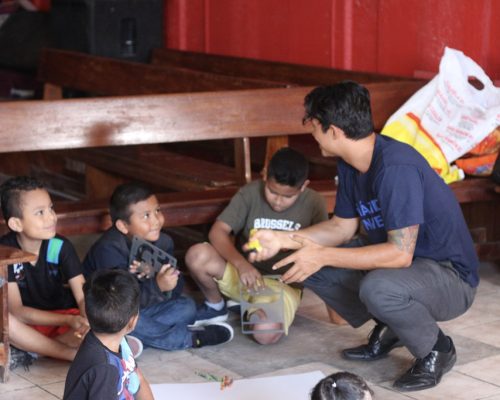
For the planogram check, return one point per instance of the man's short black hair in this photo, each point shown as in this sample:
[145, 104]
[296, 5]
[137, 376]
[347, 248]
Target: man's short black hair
[340, 386]
[111, 300]
[345, 105]
[10, 194]
[288, 167]
[124, 196]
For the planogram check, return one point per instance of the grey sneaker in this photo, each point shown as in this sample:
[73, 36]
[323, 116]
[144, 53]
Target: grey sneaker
[20, 357]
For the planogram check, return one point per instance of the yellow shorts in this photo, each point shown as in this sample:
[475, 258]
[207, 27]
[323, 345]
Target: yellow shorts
[229, 286]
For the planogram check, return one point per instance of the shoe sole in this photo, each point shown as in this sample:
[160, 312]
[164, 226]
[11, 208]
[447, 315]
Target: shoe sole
[210, 321]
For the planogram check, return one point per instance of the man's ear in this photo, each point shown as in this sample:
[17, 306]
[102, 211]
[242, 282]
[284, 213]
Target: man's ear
[305, 184]
[15, 224]
[333, 131]
[122, 226]
[337, 132]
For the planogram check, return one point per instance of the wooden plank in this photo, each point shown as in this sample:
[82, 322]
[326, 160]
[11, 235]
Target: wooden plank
[261, 69]
[118, 121]
[111, 77]
[163, 169]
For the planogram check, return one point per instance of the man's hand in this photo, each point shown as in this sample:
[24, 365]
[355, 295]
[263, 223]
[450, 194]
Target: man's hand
[167, 278]
[250, 276]
[269, 245]
[306, 261]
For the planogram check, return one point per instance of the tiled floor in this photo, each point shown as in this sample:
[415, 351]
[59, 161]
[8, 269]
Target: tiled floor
[314, 344]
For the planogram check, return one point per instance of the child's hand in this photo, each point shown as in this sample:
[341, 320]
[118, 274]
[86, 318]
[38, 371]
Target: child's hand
[79, 324]
[142, 270]
[167, 278]
[250, 277]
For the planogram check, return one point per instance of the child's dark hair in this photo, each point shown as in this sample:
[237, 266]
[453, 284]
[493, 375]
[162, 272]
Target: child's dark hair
[124, 196]
[111, 300]
[345, 105]
[10, 194]
[341, 386]
[288, 167]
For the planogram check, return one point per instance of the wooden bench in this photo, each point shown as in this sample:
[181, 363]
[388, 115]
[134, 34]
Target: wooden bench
[104, 76]
[296, 74]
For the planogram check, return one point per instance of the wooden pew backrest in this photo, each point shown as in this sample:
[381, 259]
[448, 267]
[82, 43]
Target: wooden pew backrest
[117, 121]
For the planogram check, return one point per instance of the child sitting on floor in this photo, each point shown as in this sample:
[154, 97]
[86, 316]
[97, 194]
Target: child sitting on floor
[104, 367]
[166, 315]
[45, 298]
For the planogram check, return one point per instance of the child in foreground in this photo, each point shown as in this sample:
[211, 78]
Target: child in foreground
[104, 367]
[46, 306]
[342, 386]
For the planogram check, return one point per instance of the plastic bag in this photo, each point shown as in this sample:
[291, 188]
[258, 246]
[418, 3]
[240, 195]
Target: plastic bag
[480, 160]
[450, 115]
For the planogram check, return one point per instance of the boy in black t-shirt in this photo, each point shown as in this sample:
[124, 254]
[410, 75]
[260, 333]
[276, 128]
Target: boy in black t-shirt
[166, 315]
[104, 368]
[45, 298]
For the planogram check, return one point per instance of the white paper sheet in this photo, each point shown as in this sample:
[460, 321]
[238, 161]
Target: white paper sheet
[289, 387]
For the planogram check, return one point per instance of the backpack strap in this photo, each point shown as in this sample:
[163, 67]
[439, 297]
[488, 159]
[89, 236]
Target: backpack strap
[53, 250]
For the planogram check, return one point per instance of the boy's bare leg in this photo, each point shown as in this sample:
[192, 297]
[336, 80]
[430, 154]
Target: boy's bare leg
[205, 264]
[26, 338]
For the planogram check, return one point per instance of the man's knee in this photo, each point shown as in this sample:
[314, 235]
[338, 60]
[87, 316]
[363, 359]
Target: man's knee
[380, 295]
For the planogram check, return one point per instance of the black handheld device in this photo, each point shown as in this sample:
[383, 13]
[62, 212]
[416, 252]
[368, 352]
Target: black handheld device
[150, 257]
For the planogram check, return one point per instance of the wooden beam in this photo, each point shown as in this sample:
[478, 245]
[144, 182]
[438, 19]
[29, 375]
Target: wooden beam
[262, 69]
[116, 121]
[111, 77]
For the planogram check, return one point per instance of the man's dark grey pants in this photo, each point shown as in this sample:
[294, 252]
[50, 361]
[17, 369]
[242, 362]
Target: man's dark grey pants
[409, 300]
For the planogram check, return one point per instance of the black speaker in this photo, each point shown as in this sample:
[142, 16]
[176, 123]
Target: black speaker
[126, 29]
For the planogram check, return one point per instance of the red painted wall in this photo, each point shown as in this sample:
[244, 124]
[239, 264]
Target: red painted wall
[401, 37]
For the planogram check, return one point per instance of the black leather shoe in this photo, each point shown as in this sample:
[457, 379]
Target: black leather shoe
[382, 341]
[427, 372]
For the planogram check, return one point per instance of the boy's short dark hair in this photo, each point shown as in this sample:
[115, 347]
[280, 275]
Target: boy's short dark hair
[340, 386]
[345, 105]
[124, 196]
[10, 194]
[288, 167]
[111, 300]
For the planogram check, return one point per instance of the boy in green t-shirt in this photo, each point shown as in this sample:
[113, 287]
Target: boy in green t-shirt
[281, 201]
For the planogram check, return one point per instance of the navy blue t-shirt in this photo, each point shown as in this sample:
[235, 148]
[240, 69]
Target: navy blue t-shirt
[112, 251]
[400, 189]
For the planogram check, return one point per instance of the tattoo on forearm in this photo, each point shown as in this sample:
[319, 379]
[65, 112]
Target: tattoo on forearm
[405, 239]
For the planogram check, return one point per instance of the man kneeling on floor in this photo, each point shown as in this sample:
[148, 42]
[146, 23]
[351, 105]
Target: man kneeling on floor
[417, 264]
